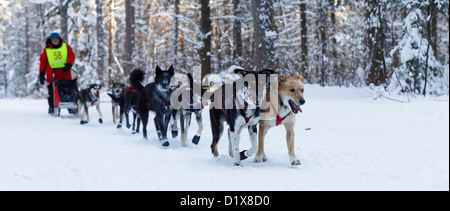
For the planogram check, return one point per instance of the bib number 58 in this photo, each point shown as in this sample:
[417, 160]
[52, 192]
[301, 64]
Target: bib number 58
[58, 55]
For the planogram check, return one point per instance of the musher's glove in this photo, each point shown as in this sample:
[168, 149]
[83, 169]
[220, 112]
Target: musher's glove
[42, 77]
[67, 67]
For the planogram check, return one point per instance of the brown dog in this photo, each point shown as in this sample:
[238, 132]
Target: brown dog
[290, 94]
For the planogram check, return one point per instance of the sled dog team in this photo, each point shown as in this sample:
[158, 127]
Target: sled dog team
[257, 102]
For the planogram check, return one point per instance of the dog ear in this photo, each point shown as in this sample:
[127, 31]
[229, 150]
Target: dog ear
[267, 72]
[158, 69]
[281, 79]
[171, 70]
[300, 77]
[240, 71]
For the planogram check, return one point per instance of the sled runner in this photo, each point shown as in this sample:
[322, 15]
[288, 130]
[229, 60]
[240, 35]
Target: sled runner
[65, 94]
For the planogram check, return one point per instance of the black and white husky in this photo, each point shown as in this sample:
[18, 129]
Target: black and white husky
[118, 102]
[87, 98]
[156, 98]
[240, 109]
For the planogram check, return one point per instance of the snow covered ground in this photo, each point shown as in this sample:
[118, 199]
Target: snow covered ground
[355, 143]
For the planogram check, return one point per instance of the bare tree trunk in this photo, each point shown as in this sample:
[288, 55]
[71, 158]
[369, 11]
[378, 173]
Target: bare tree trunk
[64, 21]
[304, 39]
[337, 75]
[142, 24]
[375, 42]
[27, 42]
[380, 53]
[176, 34]
[206, 28]
[111, 29]
[433, 28]
[430, 35]
[130, 36]
[100, 39]
[237, 34]
[265, 33]
[323, 5]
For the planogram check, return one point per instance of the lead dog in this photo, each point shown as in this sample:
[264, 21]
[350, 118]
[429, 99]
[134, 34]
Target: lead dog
[238, 117]
[290, 93]
[87, 98]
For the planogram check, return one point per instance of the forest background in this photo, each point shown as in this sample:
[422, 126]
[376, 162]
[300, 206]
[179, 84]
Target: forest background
[399, 46]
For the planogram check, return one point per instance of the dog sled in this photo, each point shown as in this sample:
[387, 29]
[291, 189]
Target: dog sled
[65, 95]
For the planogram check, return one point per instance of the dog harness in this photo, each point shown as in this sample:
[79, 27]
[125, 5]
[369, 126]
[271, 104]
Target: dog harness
[279, 119]
[129, 89]
[191, 105]
[247, 119]
[93, 98]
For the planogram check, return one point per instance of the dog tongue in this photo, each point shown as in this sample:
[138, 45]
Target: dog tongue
[295, 106]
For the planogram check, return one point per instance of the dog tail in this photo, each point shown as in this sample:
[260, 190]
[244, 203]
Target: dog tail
[136, 79]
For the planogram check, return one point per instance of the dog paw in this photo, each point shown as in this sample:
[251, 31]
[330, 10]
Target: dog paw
[260, 158]
[238, 164]
[196, 139]
[100, 121]
[215, 152]
[295, 162]
[119, 126]
[83, 122]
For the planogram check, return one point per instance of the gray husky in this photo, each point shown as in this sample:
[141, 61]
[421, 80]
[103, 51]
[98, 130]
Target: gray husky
[193, 104]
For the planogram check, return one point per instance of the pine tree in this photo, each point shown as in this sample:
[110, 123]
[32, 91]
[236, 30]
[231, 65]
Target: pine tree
[420, 71]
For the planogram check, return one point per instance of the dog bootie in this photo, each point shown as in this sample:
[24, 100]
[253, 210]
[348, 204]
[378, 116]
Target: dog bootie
[238, 164]
[196, 139]
[164, 143]
[244, 155]
[174, 131]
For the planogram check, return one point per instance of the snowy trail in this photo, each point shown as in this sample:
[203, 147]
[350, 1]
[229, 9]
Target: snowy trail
[355, 143]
